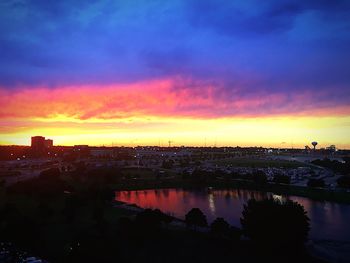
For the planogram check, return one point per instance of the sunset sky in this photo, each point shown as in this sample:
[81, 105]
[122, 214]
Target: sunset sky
[196, 72]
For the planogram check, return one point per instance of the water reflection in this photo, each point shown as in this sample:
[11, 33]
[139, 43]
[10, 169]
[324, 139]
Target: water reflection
[279, 198]
[211, 203]
[328, 220]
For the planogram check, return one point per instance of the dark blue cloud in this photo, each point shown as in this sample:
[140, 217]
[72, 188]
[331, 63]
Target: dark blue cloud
[256, 18]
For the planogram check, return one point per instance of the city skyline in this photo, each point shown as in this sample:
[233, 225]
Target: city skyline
[193, 72]
[46, 143]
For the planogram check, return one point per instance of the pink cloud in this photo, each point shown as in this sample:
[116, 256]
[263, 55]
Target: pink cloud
[163, 98]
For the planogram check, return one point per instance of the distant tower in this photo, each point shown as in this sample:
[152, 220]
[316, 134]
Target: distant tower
[314, 145]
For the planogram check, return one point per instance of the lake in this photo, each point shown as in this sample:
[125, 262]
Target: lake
[329, 220]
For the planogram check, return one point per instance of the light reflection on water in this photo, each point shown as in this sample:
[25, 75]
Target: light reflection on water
[328, 220]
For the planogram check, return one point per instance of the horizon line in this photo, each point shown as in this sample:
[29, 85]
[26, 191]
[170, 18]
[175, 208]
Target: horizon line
[185, 146]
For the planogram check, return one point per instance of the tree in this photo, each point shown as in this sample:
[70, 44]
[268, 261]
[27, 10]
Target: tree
[275, 224]
[220, 227]
[195, 217]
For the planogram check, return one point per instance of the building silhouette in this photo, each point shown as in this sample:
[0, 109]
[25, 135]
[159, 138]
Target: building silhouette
[48, 143]
[39, 145]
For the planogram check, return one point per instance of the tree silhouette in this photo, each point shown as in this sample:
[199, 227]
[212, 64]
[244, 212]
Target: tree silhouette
[220, 227]
[275, 224]
[195, 217]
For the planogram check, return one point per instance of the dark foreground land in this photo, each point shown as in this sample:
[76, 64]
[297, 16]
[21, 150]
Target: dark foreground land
[65, 217]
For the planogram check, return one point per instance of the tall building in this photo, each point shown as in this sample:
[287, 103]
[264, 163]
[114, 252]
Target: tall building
[48, 143]
[39, 145]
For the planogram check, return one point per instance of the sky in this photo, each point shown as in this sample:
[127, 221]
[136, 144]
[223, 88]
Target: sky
[272, 73]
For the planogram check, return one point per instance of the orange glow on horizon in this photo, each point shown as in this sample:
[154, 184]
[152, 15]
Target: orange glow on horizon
[153, 112]
[268, 132]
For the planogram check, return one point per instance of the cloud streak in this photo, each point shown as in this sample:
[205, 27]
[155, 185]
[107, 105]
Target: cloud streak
[161, 98]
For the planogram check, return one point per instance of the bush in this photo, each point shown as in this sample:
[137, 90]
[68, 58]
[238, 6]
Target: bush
[274, 224]
[195, 217]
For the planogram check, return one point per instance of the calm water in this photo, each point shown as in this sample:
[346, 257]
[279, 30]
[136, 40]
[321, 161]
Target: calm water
[329, 220]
